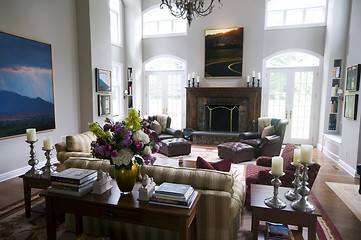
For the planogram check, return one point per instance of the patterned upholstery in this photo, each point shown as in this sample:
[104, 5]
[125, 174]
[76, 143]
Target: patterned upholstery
[220, 206]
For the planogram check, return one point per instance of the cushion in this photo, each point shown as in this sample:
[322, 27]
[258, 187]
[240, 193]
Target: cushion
[268, 131]
[223, 165]
[162, 119]
[287, 155]
[154, 125]
[80, 142]
[262, 123]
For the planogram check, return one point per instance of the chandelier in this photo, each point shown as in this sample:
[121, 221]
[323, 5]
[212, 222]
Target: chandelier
[189, 9]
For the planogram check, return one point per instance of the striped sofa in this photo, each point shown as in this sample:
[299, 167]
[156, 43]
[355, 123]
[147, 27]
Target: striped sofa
[220, 208]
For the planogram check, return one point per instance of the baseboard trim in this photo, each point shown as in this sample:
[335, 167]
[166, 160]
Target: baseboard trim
[319, 147]
[347, 168]
[18, 172]
[331, 155]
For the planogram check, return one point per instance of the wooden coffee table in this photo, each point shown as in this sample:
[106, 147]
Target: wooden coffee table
[124, 208]
[261, 212]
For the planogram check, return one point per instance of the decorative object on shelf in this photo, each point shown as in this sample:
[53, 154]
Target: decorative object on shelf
[27, 78]
[103, 105]
[293, 193]
[258, 78]
[102, 184]
[189, 9]
[48, 169]
[248, 80]
[351, 102]
[129, 73]
[340, 93]
[302, 204]
[125, 93]
[189, 80]
[253, 77]
[33, 172]
[103, 80]
[216, 41]
[353, 78]
[277, 172]
[147, 188]
[193, 76]
[124, 144]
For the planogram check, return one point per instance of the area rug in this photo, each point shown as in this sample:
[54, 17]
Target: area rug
[349, 195]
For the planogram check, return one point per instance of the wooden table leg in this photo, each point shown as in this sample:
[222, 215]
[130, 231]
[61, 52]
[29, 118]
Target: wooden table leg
[183, 230]
[255, 224]
[27, 197]
[50, 219]
[78, 224]
[312, 228]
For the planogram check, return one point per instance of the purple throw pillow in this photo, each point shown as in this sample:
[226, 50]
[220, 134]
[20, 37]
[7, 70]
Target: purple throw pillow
[223, 165]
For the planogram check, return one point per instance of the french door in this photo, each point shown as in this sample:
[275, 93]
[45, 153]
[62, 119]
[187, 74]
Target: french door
[165, 95]
[291, 95]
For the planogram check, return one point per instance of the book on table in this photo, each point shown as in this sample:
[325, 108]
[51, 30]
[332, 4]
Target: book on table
[181, 191]
[74, 175]
[277, 231]
[88, 188]
[170, 203]
[72, 187]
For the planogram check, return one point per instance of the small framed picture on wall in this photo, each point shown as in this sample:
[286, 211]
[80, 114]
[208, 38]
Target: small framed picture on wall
[351, 101]
[103, 78]
[353, 78]
[103, 104]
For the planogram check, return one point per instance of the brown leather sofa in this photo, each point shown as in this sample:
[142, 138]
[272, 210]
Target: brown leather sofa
[167, 132]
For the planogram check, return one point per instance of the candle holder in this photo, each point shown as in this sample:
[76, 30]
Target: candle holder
[33, 172]
[293, 194]
[258, 82]
[247, 84]
[303, 204]
[197, 84]
[252, 81]
[48, 169]
[192, 82]
[189, 83]
[275, 201]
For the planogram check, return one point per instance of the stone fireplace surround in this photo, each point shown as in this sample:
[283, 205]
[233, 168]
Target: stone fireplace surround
[247, 99]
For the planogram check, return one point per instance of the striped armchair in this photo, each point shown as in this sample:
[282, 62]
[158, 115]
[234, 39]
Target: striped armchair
[220, 208]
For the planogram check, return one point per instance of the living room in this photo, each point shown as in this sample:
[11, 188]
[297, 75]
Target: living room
[79, 33]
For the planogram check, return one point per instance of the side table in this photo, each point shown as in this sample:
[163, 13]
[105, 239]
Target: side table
[28, 184]
[261, 212]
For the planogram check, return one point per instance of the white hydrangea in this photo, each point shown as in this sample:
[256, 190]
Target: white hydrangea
[141, 136]
[147, 150]
[124, 157]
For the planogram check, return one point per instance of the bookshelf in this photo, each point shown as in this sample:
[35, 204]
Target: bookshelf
[130, 90]
[334, 98]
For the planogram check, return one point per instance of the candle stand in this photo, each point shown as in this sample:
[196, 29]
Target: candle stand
[252, 81]
[189, 83]
[193, 82]
[303, 204]
[247, 84]
[293, 194]
[48, 169]
[275, 201]
[33, 172]
[258, 82]
[197, 84]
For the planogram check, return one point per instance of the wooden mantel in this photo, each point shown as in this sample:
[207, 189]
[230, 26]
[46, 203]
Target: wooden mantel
[252, 93]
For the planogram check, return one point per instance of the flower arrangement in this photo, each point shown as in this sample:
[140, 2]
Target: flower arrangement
[121, 141]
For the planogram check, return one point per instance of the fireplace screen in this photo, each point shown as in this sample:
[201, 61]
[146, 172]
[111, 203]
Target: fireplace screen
[222, 118]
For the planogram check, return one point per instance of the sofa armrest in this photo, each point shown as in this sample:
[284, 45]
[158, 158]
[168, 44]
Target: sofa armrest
[249, 135]
[270, 139]
[173, 132]
[264, 161]
[60, 147]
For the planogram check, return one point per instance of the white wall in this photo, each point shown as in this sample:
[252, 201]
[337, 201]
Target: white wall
[52, 22]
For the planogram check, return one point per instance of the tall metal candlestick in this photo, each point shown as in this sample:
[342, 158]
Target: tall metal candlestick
[293, 194]
[189, 82]
[252, 81]
[48, 169]
[258, 82]
[275, 201]
[303, 204]
[33, 172]
[193, 82]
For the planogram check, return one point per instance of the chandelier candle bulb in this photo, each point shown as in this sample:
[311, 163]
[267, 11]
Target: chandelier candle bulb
[258, 76]
[306, 153]
[253, 73]
[48, 143]
[31, 134]
[297, 157]
[277, 166]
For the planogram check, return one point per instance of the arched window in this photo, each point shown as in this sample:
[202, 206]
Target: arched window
[293, 59]
[165, 81]
[159, 22]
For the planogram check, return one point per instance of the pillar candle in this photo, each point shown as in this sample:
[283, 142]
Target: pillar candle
[253, 74]
[258, 75]
[306, 153]
[297, 157]
[189, 76]
[197, 79]
[47, 143]
[277, 166]
[193, 74]
[31, 134]
[248, 77]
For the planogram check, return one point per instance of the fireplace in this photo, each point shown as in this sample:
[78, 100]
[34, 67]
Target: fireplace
[222, 112]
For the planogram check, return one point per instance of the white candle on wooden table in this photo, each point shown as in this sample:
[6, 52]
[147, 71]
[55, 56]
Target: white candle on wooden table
[277, 166]
[253, 73]
[306, 153]
[258, 75]
[31, 134]
[48, 143]
[297, 157]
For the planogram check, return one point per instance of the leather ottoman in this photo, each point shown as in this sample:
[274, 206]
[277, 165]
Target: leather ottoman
[175, 147]
[239, 152]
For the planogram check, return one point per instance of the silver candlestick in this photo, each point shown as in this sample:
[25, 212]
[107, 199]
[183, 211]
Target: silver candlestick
[48, 169]
[293, 194]
[275, 201]
[33, 172]
[303, 204]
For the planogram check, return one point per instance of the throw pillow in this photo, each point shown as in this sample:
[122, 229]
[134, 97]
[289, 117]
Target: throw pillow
[154, 125]
[223, 165]
[268, 131]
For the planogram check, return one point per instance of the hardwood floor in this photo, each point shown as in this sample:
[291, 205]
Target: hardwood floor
[346, 222]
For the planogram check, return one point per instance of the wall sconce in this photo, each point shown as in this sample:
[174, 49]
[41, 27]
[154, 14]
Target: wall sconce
[125, 94]
[340, 93]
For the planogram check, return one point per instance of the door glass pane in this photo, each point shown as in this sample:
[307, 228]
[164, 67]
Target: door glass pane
[301, 110]
[175, 99]
[277, 95]
[155, 94]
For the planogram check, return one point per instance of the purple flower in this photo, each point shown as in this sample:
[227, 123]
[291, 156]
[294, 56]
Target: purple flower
[101, 141]
[114, 153]
[138, 145]
[147, 131]
[107, 126]
[117, 128]
[127, 141]
[149, 159]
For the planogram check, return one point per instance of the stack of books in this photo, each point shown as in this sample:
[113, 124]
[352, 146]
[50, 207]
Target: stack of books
[73, 181]
[174, 195]
[277, 231]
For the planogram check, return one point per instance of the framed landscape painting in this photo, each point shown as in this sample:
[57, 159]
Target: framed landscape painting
[353, 78]
[351, 101]
[26, 86]
[103, 80]
[223, 53]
